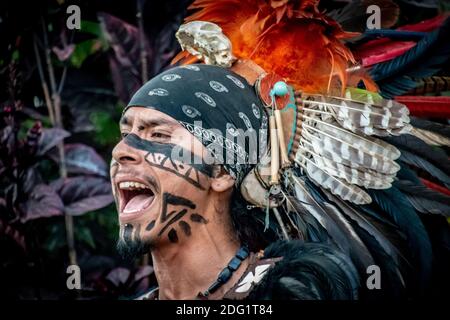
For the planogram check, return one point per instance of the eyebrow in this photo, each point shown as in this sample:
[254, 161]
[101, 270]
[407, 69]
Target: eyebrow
[153, 122]
[123, 120]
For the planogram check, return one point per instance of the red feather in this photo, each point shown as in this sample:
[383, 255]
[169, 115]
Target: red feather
[426, 25]
[435, 186]
[427, 106]
[381, 50]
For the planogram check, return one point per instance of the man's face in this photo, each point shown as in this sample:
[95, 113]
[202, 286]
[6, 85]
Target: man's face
[160, 186]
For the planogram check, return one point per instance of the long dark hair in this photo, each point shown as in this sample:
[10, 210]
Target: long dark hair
[249, 224]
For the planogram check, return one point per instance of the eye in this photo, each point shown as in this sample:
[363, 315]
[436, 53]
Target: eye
[160, 135]
[124, 134]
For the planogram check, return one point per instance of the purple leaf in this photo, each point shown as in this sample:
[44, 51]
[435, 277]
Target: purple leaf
[50, 138]
[83, 159]
[85, 93]
[125, 81]
[125, 61]
[83, 194]
[118, 276]
[65, 52]
[43, 202]
[141, 278]
[11, 232]
[31, 177]
[143, 272]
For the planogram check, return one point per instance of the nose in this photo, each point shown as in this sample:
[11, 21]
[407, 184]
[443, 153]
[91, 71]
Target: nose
[124, 154]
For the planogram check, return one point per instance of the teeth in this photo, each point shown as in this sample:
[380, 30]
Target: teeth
[132, 185]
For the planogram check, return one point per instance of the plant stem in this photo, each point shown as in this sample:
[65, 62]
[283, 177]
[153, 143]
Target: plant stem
[143, 52]
[59, 124]
[44, 85]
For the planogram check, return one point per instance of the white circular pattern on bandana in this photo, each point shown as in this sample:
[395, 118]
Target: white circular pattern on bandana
[191, 67]
[170, 77]
[246, 120]
[206, 98]
[256, 111]
[217, 86]
[158, 92]
[231, 129]
[191, 112]
[236, 81]
[264, 121]
[230, 145]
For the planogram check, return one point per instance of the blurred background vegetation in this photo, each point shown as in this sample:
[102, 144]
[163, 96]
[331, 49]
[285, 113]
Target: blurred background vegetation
[61, 98]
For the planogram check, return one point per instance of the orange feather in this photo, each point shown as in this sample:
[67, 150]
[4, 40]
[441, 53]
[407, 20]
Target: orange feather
[291, 38]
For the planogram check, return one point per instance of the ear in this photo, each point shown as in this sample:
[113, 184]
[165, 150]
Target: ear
[222, 181]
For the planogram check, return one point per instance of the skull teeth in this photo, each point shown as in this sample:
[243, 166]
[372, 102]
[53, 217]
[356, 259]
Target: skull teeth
[131, 185]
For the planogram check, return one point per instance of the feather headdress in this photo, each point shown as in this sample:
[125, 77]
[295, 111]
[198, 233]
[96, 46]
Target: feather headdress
[284, 37]
[344, 161]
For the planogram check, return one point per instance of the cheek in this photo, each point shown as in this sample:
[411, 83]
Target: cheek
[179, 209]
[195, 188]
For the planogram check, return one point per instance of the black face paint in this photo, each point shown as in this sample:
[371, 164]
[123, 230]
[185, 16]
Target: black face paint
[114, 169]
[173, 237]
[185, 227]
[161, 157]
[195, 217]
[170, 199]
[177, 217]
[150, 225]
[127, 232]
[137, 233]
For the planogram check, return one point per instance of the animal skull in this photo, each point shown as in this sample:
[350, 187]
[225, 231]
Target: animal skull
[206, 41]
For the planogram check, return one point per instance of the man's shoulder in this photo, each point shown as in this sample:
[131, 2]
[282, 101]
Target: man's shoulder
[297, 270]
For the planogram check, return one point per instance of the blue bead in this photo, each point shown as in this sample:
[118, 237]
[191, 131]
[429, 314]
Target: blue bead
[224, 275]
[280, 89]
[234, 264]
[242, 254]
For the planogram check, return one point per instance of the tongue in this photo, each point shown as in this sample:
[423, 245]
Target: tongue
[137, 203]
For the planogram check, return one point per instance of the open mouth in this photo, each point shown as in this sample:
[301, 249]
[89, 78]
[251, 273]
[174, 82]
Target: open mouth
[134, 197]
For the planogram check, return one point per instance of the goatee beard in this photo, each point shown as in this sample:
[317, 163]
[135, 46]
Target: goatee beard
[132, 249]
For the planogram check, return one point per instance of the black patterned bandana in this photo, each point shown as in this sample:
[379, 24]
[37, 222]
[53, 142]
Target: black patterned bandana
[217, 106]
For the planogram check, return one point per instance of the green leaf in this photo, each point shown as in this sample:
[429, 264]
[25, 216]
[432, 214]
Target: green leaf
[84, 235]
[15, 55]
[83, 50]
[95, 29]
[106, 128]
[91, 28]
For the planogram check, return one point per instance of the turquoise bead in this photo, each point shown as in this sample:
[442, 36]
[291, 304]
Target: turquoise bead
[280, 89]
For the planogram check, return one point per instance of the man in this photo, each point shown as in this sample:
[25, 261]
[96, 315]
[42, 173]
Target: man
[266, 142]
[177, 198]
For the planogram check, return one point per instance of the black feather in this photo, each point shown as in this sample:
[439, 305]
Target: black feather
[307, 271]
[353, 16]
[419, 162]
[431, 4]
[422, 191]
[393, 279]
[395, 204]
[436, 127]
[357, 250]
[423, 60]
[423, 199]
[357, 218]
[412, 144]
